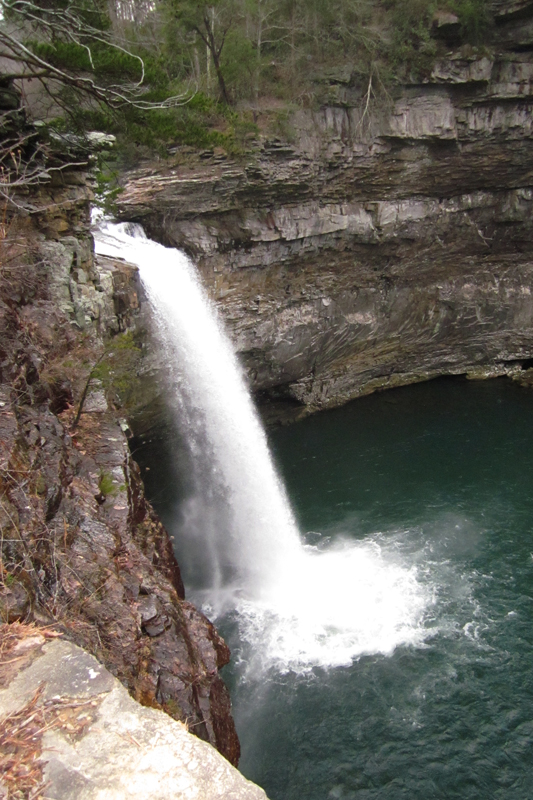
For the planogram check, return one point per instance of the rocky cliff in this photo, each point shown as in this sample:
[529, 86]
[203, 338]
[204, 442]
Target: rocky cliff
[81, 550]
[384, 243]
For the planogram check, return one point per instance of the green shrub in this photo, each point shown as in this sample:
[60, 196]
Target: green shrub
[475, 18]
[106, 485]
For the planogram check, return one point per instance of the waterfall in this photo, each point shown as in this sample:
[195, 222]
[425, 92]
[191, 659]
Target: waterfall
[298, 606]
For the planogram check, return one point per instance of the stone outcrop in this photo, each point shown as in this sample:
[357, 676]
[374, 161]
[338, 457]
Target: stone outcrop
[81, 548]
[380, 246]
[70, 730]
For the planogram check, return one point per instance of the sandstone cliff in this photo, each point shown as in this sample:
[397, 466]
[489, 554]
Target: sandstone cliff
[381, 245]
[81, 549]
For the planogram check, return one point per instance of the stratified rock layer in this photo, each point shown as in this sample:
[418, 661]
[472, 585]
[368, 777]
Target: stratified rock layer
[380, 248]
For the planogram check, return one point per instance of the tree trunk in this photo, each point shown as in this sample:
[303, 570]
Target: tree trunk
[220, 76]
[209, 22]
[259, 47]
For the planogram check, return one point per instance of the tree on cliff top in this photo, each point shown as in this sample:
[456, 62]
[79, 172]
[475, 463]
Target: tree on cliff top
[103, 64]
[210, 22]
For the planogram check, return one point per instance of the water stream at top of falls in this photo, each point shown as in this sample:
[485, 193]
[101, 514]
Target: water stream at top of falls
[297, 606]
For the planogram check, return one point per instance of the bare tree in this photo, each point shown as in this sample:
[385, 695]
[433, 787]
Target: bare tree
[263, 28]
[126, 12]
[211, 22]
[49, 22]
[33, 36]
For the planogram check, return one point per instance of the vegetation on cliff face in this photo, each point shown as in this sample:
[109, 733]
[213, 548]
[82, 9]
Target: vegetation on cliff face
[164, 72]
[251, 50]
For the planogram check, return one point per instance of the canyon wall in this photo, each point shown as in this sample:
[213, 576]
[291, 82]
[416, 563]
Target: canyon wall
[384, 243]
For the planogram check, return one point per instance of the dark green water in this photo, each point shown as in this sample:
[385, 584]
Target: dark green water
[442, 474]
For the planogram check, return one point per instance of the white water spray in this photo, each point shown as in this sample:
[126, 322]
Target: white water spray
[297, 606]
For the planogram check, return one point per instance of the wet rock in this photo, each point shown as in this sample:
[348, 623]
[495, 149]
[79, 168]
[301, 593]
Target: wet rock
[524, 377]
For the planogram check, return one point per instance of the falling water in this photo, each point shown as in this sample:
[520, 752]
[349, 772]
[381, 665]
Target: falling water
[297, 606]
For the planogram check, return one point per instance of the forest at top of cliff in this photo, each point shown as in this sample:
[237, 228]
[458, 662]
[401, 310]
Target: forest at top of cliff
[171, 72]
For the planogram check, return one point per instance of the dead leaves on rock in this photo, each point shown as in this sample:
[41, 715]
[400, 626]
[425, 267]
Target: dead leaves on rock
[20, 750]
[20, 644]
[21, 742]
[22, 731]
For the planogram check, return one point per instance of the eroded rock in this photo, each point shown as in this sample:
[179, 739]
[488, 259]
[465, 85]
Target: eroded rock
[81, 549]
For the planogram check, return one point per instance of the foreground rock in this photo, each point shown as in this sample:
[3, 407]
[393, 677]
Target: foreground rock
[375, 250]
[94, 740]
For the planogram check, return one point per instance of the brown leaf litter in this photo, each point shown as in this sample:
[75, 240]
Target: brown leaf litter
[21, 732]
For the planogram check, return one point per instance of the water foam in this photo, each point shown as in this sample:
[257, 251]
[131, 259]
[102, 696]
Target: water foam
[338, 604]
[297, 606]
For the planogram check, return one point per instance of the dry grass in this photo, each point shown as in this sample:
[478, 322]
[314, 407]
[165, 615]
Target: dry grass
[21, 732]
[20, 750]
[21, 735]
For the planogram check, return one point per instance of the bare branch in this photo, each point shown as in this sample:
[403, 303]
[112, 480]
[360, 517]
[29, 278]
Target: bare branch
[67, 24]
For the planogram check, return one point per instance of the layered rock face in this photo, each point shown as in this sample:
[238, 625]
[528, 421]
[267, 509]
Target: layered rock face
[81, 550]
[384, 244]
